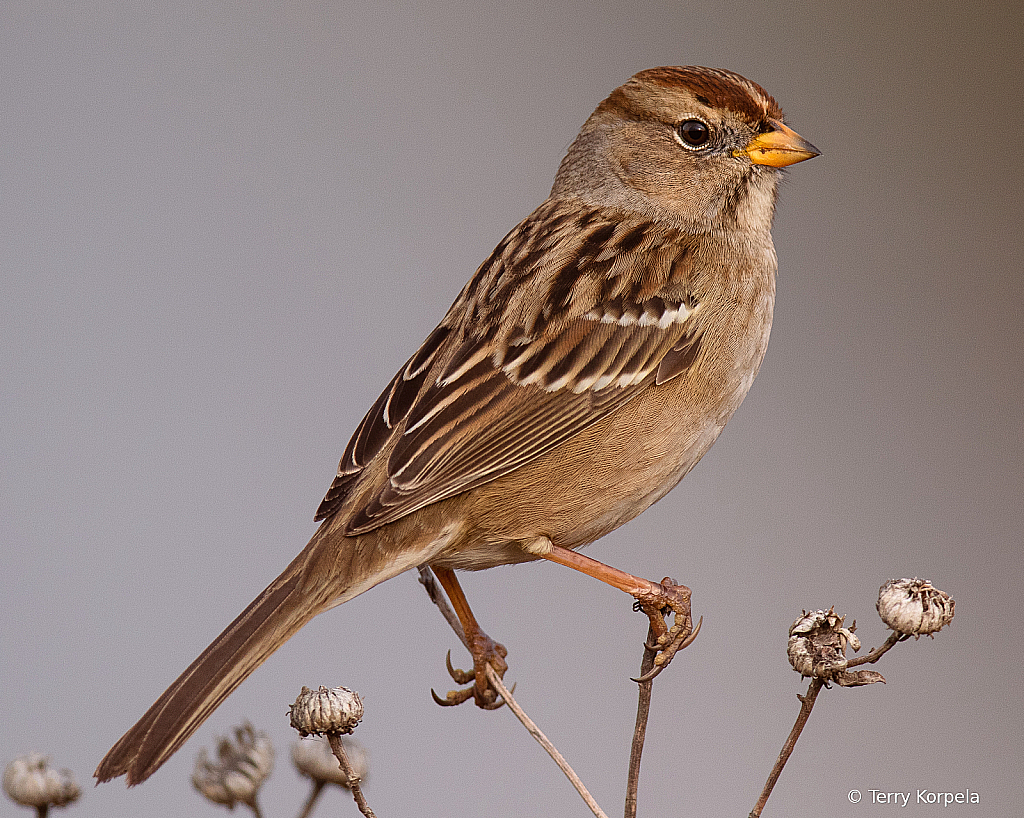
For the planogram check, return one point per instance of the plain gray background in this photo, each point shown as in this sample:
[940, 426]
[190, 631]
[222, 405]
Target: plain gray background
[223, 226]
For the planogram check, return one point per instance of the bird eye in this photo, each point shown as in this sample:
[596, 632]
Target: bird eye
[694, 133]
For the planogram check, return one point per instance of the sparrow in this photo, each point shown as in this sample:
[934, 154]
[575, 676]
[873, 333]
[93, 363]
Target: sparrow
[586, 367]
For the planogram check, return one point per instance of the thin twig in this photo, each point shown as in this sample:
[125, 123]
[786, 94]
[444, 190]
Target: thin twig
[544, 742]
[872, 657]
[353, 778]
[643, 710]
[314, 794]
[429, 582]
[806, 704]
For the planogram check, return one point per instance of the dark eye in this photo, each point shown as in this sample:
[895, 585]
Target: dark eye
[694, 133]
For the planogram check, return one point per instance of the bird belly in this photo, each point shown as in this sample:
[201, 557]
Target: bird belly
[620, 466]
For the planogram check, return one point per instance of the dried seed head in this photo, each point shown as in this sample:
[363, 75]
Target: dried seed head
[238, 772]
[315, 760]
[334, 710]
[914, 606]
[817, 644]
[31, 781]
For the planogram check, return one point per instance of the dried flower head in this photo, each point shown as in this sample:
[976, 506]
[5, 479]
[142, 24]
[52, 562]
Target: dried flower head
[238, 772]
[32, 782]
[914, 606]
[314, 759]
[334, 710]
[817, 644]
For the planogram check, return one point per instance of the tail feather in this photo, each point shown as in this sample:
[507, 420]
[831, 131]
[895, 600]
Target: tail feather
[268, 622]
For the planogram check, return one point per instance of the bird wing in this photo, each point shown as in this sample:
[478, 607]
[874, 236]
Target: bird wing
[571, 317]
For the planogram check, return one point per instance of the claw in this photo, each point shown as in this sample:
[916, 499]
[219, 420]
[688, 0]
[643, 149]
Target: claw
[454, 697]
[647, 677]
[693, 635]
[499, 703]
[457, 697]
[493, 705]
[459, 676]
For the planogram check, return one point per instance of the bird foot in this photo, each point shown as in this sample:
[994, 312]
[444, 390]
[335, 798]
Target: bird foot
[660, 600]
[485, 652]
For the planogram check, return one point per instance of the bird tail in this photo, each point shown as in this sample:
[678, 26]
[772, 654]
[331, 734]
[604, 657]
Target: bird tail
[274, 616]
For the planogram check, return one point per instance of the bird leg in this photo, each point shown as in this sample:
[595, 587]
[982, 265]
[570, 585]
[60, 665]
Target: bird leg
[656, 599]
[484, 650]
